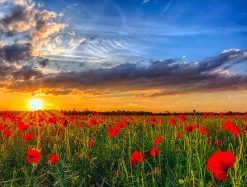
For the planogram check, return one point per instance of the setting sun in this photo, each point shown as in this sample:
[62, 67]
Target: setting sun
[35, 104]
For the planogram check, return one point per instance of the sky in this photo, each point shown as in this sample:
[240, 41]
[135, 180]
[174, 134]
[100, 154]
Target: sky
[152, 55]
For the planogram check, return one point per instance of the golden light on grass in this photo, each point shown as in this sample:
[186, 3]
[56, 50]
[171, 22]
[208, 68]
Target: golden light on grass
[36, 104]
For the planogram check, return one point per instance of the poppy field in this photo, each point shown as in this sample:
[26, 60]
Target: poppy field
[46, 149]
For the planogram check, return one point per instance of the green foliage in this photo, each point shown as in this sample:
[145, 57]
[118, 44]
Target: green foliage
[182, 162]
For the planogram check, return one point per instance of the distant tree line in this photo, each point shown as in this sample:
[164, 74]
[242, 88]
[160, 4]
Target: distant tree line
[123, 112]
[167, 113]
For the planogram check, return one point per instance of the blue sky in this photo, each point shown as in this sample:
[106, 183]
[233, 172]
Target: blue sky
[159, 29]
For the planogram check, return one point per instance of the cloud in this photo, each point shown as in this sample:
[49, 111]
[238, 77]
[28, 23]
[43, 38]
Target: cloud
[21, 19]
[44, 62]
[10, 73]
[2, 44]
[44, 30]
[26, 73]
[170, 76]
[15, 53]
[47, 36]
[30, 60]
[39, 29]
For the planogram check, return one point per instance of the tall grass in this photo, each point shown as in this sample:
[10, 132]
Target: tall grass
[182, 162]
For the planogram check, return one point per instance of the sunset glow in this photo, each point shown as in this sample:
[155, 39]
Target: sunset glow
[35, 104]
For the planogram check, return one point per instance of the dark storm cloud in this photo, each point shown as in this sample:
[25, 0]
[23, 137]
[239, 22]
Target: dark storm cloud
[172, 76]
[15, 53]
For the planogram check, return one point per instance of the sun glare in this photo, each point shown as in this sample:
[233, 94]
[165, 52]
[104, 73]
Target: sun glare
[35, 104]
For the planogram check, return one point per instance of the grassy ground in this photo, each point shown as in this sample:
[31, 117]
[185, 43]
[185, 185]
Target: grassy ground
[181, 162]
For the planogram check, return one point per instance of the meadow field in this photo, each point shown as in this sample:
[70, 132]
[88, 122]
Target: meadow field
[46, 149]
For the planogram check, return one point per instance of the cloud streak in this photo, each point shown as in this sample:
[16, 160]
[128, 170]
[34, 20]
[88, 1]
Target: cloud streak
[171, 76]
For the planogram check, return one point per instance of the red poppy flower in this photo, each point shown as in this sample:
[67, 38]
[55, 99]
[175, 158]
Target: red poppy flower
[154, 152]
[33, 156]
[28, 137]
[173, 122]
[219, 163]
[91, 143]
[158, 140]
[204, 130]
[72, 118]
[179, 135]
[182, 118]
[53, 159]
[136, 157]
[191, 128]
[22, 126]
[113, 132]
[231, 127]
[121, 125]
[7, 133]
[52, 120]
[93, 122]
[152, 119]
